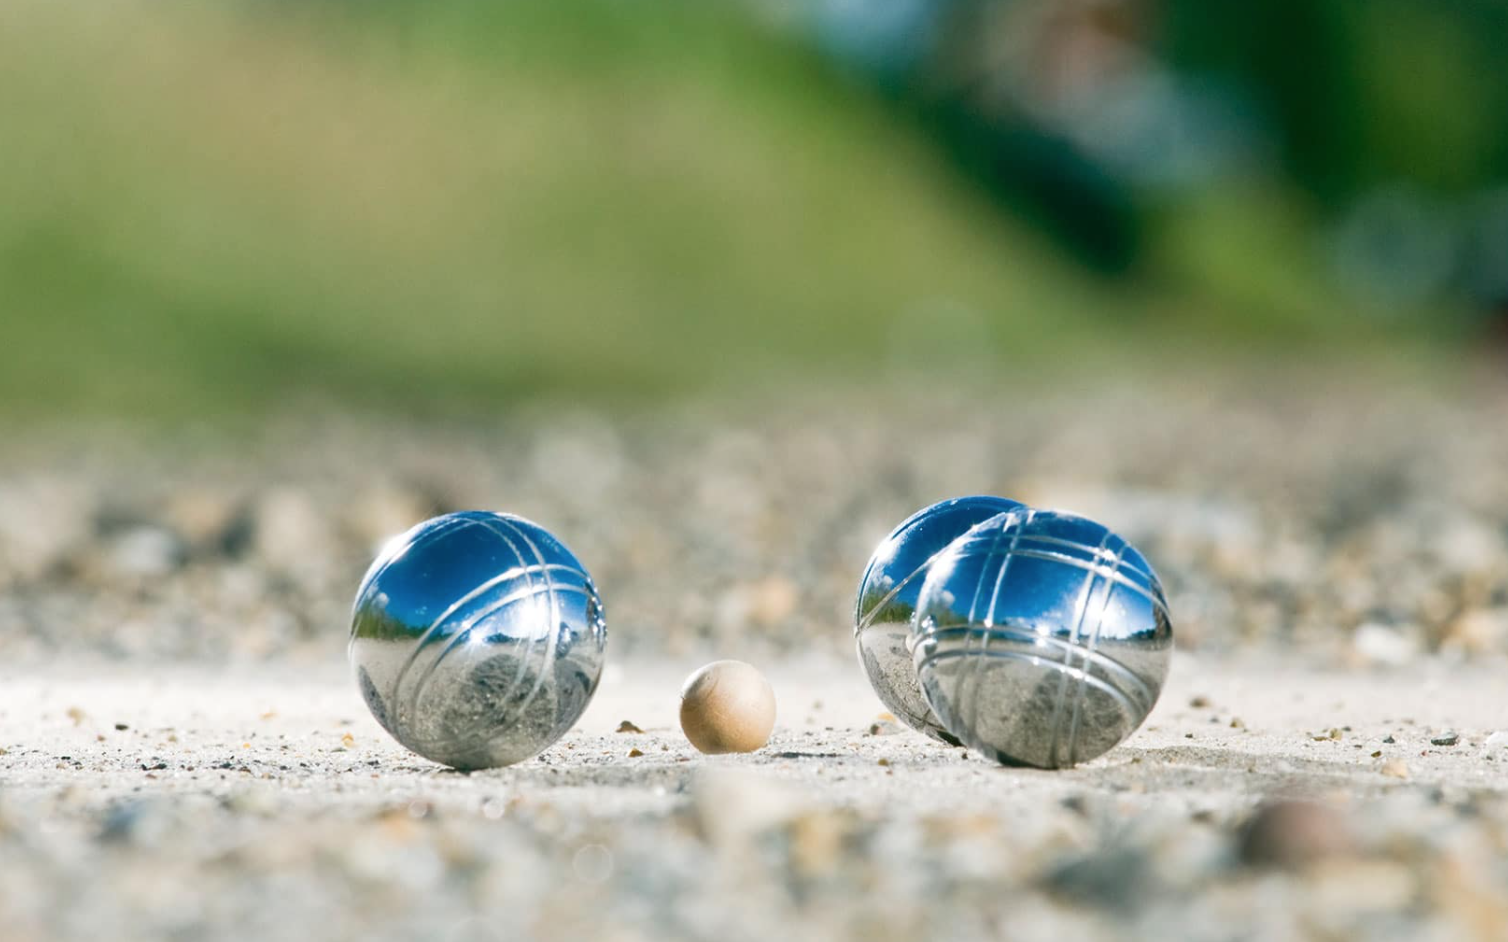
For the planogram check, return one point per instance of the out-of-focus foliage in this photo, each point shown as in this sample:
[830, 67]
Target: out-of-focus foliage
[211, 206]
[1333, 146]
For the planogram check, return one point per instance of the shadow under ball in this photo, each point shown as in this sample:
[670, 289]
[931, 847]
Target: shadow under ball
[477, 639]
[1041, 639]
[887, 598]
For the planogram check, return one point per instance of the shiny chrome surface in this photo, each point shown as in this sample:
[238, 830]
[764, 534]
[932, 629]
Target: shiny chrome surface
[477, 639]
[1041, 638]
[887, 598]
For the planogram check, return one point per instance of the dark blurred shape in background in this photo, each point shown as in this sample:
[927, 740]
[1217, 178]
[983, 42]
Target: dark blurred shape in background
[1386, 123]
[227, 206]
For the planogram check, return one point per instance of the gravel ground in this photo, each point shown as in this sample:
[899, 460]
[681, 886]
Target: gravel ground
[184, 756]
[1356, 523]
[198, 804]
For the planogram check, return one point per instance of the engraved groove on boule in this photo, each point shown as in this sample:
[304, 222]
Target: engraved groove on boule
[1086, 590]
[1081, 608]
[402, 709]
[1014, 524]
[471, 624]
[483, 736]
[1117, 578]
[467, 687]
[876, 608]
[528, 571]
[1115, 693]
[1105, 553]
[551, 637]
[1120, 673]
[1094, 641]
[974, 672]
[884, 605]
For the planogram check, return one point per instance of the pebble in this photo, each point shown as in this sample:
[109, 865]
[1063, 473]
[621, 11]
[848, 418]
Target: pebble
[204, 517]
[146, 552]
[1385, 645]
[1290, 833]
[732, 805]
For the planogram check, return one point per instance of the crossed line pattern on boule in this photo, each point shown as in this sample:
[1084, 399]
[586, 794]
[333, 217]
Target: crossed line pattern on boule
[522, 570]
[1105, 569]
[1086, 597]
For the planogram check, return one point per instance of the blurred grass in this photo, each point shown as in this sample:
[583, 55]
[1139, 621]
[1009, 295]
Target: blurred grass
[210, 209]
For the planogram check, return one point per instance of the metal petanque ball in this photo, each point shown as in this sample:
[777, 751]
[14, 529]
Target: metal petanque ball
[1041, 638]
[477, 639]
[887, 597]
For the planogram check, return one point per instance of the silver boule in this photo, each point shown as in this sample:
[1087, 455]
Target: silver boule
[887, 598]
[477, 639]
[1041, 638]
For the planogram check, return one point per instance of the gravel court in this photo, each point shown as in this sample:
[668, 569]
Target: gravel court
[224, 786]
[1326, 762]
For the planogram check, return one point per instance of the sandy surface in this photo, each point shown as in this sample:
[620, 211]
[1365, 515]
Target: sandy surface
[264, 802]
[1335, 556]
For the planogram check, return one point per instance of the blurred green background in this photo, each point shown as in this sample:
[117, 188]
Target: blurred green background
[226, 208]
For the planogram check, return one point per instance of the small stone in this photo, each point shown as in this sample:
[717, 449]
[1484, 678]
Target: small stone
[348, 741]
[1386, 646]
[883, 762]
[43, 523]
[146, 552]
[773, 600]
[634, 753]
[1199, 703]
[816, 841]
[1237, 723]
[627, 726]
[292, 535]
[203, 518]
[1291, 834]
[75, 714]
[732, 805]
[1117, 879]
[1395, 768]
[1377, 754]
[1389, 740]
[121, 727]
[1447, 738]
[1481, 631]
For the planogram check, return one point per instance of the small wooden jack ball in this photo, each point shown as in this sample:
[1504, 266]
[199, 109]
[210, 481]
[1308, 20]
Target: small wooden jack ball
[727, 706]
